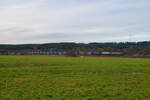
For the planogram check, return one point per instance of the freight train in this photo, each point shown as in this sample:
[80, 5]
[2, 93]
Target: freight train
[84, 53]
[40, 52]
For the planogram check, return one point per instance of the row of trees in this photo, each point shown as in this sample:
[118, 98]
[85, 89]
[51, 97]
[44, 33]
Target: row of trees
[130, 48]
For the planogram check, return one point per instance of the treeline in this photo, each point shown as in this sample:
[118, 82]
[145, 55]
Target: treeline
[130, 48]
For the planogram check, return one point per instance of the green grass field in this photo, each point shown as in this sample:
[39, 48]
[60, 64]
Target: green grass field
[60, 78]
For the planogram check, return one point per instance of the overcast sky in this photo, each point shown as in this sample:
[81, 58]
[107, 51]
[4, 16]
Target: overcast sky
[41, 21]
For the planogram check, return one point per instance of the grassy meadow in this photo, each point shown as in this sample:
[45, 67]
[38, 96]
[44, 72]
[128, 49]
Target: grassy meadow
[65, 78]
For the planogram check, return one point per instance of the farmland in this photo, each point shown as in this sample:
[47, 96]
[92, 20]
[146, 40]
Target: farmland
[66, 78]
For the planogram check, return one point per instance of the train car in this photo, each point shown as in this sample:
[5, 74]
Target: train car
[96, 53]
[77, 52]
[83, 53]
[116, 53]
[106, 53]
[62, 53]
[93, 53]
[88, 53]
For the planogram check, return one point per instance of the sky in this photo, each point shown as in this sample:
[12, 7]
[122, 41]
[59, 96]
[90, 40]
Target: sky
[53, 21]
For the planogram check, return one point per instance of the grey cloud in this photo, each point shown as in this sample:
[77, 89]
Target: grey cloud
[73, 20]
